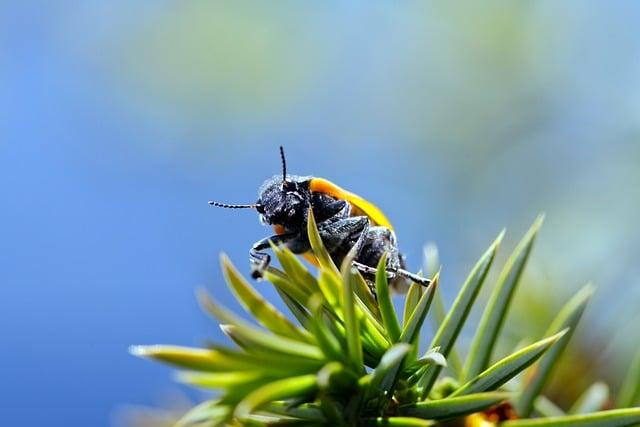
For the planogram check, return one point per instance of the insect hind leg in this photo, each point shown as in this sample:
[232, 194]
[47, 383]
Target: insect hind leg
[392, 273]
[380, 240]
[413, 277]
[368, 270]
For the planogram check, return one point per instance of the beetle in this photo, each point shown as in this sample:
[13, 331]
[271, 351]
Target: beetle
[346, 223]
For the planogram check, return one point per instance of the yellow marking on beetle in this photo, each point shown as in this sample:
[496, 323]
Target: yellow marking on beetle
[358, 204]
[311, 258]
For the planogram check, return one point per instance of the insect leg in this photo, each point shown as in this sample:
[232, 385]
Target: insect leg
[325, 208]
[366, 269]
[362, 238]
[413, 277]
[379, 240]
[340, 235]
[391, 273]
[259, 259]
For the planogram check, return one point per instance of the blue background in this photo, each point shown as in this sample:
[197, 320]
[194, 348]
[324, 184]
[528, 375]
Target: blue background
[118, 122]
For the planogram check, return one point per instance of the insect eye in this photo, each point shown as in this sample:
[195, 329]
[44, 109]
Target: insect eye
[259, 208]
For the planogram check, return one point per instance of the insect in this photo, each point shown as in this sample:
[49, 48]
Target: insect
[346, 222]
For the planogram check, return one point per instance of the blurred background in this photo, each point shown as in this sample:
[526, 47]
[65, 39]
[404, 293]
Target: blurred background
[119, 120]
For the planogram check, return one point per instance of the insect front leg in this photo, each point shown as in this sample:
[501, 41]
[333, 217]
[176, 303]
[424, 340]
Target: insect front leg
[260, 260]
[296, 242]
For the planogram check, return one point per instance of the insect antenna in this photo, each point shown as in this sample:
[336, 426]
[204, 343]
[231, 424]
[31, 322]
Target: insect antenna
[225, 205]
[284, 165]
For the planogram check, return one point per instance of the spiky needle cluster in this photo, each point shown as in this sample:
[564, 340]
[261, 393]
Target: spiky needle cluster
[348, 360]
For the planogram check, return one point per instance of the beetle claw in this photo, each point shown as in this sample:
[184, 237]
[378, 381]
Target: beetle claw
[258, 268]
